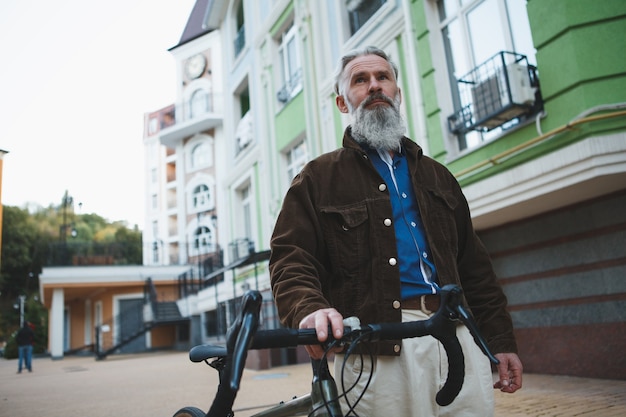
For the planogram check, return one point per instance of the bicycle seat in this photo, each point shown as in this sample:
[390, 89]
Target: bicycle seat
[203, 352]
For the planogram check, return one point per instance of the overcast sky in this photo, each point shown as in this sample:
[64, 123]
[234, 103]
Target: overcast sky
[76, 77]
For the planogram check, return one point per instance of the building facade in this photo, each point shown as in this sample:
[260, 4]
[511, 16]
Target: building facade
[522, 100]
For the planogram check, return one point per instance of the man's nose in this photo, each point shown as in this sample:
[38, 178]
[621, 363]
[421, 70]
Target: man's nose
[375, 86]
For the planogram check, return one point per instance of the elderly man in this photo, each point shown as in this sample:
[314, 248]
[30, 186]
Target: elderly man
[374, 230]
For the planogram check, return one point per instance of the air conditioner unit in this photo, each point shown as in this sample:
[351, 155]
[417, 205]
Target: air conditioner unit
[492, 104]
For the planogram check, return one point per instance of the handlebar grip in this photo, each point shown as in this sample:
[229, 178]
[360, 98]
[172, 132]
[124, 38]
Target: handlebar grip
[284, 337]
[240, 354]
[456, 371]
[445, 332]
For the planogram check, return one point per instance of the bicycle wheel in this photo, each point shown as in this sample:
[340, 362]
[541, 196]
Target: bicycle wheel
[190, 412]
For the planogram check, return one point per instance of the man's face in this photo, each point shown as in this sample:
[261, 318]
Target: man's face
[368, 75]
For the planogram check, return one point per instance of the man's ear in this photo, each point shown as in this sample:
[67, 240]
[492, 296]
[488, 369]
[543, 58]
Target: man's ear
[341, 104]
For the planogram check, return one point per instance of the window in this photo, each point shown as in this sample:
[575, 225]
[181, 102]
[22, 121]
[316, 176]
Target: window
[155, 202]
[154, 175]
[199, 193]
[244, 134]
[200, 156]
[199, 103]
[201, 197]
[203, 240]
[290, 65]
[244, 224]
[155, 252]
[297, 157]
[473, 31]
[212, 322]
[240, 31]
[155, 244]
[359, 12]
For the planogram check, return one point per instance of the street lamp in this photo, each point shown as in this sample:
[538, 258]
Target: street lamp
[66, 203]
[22, 299]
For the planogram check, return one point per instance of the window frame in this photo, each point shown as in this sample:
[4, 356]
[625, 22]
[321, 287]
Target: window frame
[460, 14]
[294, 164]
[291, 80]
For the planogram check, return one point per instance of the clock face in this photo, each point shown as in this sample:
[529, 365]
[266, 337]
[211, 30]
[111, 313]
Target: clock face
[195, 66]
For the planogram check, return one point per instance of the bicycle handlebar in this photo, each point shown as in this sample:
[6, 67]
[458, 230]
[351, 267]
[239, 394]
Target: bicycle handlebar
[243, 335]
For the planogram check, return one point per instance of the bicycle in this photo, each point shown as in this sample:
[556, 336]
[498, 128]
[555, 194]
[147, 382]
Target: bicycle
[323, 400]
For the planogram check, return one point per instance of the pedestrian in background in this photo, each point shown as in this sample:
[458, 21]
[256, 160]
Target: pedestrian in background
[25, 339]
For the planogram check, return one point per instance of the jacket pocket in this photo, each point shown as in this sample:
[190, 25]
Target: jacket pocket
[442, 229]
[346, 231]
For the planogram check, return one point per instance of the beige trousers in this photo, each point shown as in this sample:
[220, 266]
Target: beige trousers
[406, 386]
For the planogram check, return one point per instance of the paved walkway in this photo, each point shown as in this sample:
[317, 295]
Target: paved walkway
[158, 384]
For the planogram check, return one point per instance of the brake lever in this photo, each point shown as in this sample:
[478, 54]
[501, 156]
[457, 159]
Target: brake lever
[451, 296]
[469, 322]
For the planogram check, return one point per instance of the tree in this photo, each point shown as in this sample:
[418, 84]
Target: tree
[22, 259]
[21, 252]
[35, 237]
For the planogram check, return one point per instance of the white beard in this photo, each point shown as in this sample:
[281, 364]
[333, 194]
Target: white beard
[381, 127]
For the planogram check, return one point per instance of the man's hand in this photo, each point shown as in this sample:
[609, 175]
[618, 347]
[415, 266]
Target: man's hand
[320, 320]
[510, 372]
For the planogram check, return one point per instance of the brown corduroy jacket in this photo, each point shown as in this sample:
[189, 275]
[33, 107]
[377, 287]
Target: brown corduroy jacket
[332, 247]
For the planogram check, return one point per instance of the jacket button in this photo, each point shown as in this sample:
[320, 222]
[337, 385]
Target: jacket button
[387, 222]
[396, 348]
[396, 304]
[393, 261]
[382, 187]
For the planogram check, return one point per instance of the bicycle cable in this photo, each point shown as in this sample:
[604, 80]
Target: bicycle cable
[358, 340]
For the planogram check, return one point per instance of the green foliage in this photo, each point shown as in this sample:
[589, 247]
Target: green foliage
[35, 313]
[37, 237]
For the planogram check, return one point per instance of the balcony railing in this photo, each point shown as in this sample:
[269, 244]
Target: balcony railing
[503, 88]
[92, 253]
[291, 87]
[191, 282]
[196, 109]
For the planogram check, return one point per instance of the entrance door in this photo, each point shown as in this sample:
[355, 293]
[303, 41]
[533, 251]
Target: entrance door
[131, 322]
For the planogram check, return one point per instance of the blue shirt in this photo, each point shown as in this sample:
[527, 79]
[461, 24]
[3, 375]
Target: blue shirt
[417, 273]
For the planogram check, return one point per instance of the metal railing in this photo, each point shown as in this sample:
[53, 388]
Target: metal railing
[109, 335]
[503, 88]
[92, 253]
[190, 282]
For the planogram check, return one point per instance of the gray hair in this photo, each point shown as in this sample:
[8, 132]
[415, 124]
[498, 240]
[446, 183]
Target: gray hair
[340, 78]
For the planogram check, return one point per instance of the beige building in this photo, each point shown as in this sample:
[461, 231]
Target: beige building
[112, 309]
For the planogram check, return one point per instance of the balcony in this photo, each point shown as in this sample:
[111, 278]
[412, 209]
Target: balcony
[503, 88]
[188, 118]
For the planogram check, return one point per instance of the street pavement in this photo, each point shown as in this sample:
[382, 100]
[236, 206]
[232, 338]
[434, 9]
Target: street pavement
[158, 384]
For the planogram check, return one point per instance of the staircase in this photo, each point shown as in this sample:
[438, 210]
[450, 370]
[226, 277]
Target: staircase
[155, 314]
[167, 312]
